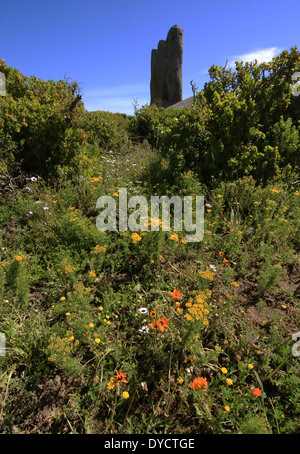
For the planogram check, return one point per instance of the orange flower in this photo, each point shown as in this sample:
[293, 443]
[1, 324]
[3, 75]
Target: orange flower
[162, 324]
[152, 314]
[120, 377]
[225, 260]
[221, 253]
[199, 383]
[256, 392]
[176, 295]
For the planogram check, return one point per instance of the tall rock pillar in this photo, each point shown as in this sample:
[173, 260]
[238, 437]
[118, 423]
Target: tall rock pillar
[166, 69]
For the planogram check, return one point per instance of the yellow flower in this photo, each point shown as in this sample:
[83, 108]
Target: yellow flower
[97, 340]
[92, 274]
[219, 196]
[229, 381]
[226, 408]
[125, 395]
[91, 325]
[19, 258]
[135, 237]
[235, 284]
[174, 237]
[111, 384]
[115, 194]
[180, 380]
[224, 370]
[62, 298]
[250, 366]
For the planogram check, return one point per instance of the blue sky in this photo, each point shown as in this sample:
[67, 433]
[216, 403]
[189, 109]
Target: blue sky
[106, 46]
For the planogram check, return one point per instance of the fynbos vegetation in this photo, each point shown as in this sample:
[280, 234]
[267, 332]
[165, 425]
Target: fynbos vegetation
[128, 332]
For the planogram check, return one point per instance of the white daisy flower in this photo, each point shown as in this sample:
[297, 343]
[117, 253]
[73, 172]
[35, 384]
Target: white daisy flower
[144, 329]
[143, 310]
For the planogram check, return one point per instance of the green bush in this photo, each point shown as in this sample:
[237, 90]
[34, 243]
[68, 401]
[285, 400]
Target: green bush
[39, 122]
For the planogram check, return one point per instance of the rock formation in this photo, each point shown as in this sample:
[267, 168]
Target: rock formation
[166, 69]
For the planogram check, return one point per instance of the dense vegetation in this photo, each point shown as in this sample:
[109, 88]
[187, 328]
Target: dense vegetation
[143, 332]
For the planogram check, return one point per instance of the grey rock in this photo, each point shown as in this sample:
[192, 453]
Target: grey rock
[166, 69]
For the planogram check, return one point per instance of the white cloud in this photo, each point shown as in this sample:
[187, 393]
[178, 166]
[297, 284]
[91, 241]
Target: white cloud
[261, 55]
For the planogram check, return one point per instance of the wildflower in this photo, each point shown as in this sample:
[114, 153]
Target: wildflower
[97, 340]
[250, 366]
[229, 381]
[224, 370]
[235, 284]
[199, 383]
[91, 325]
[19, 258]
[135, 237]
[256, 392]
[174, 237]
[162, 324]
[183, 240]
[213, 268]
[225, 260]
[176, 294]
[226, 408]
[143, 310]
[92, 274]
[121, 377]
[207, 275]
[221, 253]
[111, 384]
[152, 314]
[180, 380]
[62, 298]
[219, 196]
[144, 329]
[125, 395]
[33, 179]
[98, 249]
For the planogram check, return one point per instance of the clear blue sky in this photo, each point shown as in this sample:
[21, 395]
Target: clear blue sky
[105, 46]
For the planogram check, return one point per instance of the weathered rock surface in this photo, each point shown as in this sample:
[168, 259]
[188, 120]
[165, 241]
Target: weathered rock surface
[166, 69]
